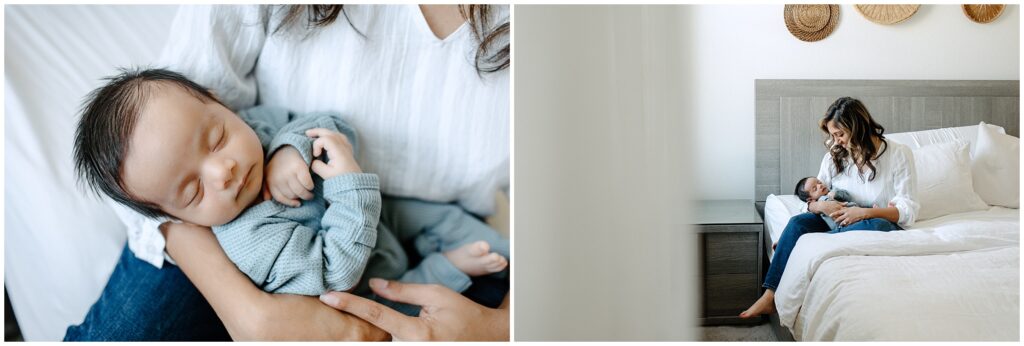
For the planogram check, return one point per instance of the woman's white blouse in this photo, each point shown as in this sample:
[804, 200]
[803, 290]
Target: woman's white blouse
[895, 181]
[430, 126]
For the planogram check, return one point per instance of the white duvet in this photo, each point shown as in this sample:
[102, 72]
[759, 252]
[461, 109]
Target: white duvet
[956, 278]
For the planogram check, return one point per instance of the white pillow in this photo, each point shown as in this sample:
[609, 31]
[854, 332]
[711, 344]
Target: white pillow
[944, 183]
[917, 139]
[996, 167]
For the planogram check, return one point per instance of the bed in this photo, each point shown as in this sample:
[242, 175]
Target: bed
[952, 275]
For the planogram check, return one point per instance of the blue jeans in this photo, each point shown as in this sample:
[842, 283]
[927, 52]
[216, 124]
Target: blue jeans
[812, 223]
[145, 303]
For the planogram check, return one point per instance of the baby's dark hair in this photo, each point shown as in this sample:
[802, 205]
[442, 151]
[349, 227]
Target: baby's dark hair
[104, 132]
[801, 192]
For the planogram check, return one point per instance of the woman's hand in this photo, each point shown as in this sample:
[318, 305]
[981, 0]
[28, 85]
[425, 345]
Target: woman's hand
[247, 312]
[445, 315]
[824, 207]
[850, 215]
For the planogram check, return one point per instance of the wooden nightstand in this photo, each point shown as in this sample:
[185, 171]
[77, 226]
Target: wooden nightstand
[730, 243]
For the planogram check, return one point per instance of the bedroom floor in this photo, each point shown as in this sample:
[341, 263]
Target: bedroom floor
[761, 332]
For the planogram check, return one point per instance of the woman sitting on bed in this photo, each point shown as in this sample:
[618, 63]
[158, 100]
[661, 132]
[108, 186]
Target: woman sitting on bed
[861, 161]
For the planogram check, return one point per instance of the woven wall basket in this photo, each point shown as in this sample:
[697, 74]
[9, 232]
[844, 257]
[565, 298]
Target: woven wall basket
[811, 22]
[887, 14]
[983, 13]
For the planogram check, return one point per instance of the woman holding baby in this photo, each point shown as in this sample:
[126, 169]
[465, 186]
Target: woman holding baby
[874, 171]
[428, 88]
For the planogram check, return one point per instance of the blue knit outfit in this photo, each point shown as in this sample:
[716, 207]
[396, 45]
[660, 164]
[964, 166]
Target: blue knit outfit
[347, 232]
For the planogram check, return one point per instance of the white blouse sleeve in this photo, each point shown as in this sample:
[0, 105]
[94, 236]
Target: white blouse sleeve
[217, 47]
[825, 170]
[904, 179]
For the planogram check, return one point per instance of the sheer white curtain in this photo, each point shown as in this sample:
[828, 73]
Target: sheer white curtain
[602, 250]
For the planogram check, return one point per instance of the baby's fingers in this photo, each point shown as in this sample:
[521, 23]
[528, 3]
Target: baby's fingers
[318, 147]
[306, 179]
[298, 190]
[330, 144]
[320, 168]
[318, 132]
[283, 196]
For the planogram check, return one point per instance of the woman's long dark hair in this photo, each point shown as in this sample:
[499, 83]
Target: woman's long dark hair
[489, 58]
[850, 115]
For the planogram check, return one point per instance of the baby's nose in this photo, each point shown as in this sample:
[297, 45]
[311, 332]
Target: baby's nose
[221, 172]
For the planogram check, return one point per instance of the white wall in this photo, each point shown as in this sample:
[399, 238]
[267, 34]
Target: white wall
[732, 45]
[602, 250]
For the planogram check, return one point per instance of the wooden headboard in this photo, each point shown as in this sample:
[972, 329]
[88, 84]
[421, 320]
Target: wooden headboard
[790, 145]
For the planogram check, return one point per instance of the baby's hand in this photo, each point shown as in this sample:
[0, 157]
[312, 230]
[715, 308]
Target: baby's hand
[288, 177]
[340, 159]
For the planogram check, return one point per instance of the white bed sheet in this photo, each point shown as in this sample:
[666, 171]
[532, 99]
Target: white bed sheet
[60, 243]
[778, 209]
[954, 277]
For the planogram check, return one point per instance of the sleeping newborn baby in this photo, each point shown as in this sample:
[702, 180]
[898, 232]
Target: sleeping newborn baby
[167, 148]
[812, 189]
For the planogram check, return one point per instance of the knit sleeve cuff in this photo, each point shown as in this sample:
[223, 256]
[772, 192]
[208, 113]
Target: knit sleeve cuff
[348, 182]
[301, 143]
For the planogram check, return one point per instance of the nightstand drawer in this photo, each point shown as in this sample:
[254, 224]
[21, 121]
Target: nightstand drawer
[731, 252]
[727, 295]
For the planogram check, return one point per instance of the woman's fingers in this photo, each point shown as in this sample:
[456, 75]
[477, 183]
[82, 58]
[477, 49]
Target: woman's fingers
[840, 216]
[391, 321]
[416, 294]
[835, 214]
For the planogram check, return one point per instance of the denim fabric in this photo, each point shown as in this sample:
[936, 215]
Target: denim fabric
[145, 303]
[877, 224]
[812, 223]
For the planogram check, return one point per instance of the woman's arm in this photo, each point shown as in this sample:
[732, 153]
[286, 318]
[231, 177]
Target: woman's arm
[905, 187]
[824, 207]
[850, 215]
[889, 213]
[247, 312]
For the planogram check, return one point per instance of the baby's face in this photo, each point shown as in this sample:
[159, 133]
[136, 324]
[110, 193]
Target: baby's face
[815, 188]
[199, 162]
